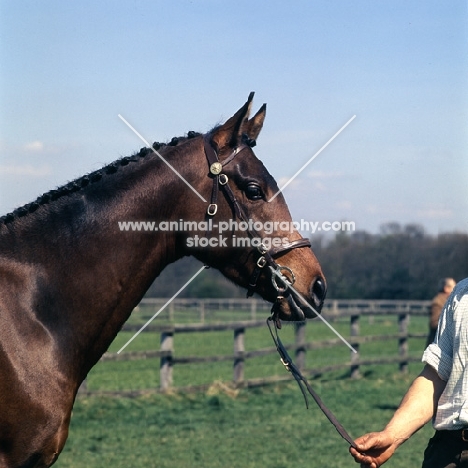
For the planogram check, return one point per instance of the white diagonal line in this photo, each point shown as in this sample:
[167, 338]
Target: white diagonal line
[275, 272]
[161, 309]
[156, 152]
[312, 158]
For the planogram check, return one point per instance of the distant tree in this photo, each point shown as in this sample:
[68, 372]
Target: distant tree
[401, 262]
[208, 284]
[390, 229]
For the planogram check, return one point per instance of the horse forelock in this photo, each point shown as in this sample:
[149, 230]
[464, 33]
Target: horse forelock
[93, 178]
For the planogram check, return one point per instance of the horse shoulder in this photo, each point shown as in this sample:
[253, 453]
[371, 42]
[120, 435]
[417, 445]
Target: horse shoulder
[35, 403]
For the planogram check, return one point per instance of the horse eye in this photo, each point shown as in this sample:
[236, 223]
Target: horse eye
[253, 192]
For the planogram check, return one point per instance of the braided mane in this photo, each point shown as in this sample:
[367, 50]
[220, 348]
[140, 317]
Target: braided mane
[91, 178]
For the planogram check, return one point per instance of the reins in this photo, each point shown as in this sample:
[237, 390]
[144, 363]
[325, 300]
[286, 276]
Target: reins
[287, 361]
[282, 283]
[302, 382]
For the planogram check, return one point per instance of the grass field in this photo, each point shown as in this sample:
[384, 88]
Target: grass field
[263, 427]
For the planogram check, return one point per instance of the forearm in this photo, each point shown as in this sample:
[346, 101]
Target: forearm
[417, 407]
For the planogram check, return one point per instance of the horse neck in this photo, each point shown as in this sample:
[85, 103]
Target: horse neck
[87, 274]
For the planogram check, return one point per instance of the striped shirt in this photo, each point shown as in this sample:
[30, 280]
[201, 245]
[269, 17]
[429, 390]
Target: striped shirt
[448, 355]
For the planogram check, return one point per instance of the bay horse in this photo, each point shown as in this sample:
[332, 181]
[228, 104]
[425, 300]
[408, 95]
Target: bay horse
[70, 278]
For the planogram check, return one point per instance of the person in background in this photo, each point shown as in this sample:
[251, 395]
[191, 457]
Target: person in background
[438, 393]
[446, 286]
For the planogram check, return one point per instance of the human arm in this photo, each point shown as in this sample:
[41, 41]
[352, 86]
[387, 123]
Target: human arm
[416, 409]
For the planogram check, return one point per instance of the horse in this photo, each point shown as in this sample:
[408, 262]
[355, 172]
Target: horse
[70, 276]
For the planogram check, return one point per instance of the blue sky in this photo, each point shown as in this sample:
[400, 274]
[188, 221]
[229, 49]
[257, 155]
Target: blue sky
[69, 68]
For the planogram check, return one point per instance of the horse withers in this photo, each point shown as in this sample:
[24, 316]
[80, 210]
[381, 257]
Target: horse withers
[70, 276]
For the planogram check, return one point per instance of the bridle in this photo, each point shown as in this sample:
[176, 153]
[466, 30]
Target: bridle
[282, 277]
[265, 257]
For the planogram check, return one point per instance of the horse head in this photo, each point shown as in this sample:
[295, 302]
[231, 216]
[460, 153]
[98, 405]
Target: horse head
[250, 236]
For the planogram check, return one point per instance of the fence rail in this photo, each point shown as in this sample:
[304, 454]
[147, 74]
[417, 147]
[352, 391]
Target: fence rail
[334, 310]
[206, 308]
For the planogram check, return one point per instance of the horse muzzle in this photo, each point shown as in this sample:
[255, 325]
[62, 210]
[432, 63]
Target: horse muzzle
[291, 305]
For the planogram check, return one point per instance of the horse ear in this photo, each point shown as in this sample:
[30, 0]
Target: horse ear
[230, 133]
[254, 126]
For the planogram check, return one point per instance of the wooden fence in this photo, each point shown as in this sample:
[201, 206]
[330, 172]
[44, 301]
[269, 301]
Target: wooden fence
[334, 310]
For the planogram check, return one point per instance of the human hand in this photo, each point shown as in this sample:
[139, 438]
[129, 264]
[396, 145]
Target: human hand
[373, 449]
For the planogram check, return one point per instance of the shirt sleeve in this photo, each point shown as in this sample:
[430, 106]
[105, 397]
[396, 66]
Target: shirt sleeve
[439, 355]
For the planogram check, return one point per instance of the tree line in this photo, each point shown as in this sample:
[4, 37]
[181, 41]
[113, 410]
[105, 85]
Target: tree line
[399, 262]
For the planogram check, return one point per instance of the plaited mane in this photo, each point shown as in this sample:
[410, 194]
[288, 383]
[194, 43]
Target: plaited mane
[91, 178]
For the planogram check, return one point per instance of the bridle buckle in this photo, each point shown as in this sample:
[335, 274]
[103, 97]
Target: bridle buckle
[262, 248]
[212, 209]
[464, 435]
[223, 179]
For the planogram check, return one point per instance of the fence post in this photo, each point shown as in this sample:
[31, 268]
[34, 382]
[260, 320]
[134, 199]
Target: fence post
[403, 320]
[355, 356]
[165, 368]
[253, 310]
[300, 341]
[202, 310]
[334, 310]
[239, 348]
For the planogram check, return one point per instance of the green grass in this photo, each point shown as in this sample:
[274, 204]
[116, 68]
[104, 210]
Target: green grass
[263, 427]
[144, 374]
[267, 427]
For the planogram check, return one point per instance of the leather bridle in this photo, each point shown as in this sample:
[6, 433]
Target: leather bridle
[265, 256]
[283, 283]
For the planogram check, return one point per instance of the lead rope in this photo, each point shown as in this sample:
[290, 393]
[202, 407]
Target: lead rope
[267, 258]
[301, 381]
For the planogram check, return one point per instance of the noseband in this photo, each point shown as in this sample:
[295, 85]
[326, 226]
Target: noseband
[282, 277]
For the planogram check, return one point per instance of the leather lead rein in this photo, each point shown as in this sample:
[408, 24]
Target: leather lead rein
[301, 381]
[266, 258]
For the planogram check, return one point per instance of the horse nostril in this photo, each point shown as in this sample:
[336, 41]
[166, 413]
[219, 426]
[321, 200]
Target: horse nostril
[319, 291]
